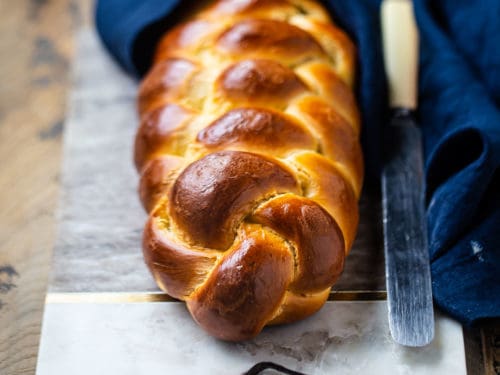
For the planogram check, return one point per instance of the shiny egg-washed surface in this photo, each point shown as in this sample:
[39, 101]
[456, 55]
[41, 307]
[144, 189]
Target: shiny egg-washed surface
[250, 162]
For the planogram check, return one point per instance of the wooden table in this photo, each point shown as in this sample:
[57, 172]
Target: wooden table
[36, 50]
[36, 47]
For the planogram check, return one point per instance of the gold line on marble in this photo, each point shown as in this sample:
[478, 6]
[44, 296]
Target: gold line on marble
[118, 297]
[358, 295]
[106, 297]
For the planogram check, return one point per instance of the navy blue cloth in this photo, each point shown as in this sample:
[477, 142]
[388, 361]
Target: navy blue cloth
[459, 111]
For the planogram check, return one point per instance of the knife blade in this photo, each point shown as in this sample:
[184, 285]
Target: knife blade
[408, 279]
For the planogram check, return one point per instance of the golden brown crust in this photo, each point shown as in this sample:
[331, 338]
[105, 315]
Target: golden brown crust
[273, 39]
[311, 229]
[245, 288]
[299, 306]
[212, 195]
[234, 7]
[321, 77]
[328, 187]
[167, 81]
[339, 141]
[160, 132]
[258, 82]
[157, 178]
[176, 268]
[268, 130]
[250, 162]
[183, 38]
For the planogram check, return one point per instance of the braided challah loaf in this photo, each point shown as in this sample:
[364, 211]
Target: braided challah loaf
[250, 162]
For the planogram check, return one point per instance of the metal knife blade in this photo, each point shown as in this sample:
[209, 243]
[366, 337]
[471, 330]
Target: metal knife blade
[409, 290]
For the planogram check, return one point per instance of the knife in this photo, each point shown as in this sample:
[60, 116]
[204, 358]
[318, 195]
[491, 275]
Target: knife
[409, 292]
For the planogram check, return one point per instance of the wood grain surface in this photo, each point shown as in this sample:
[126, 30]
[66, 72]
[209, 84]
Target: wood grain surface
[36, 47]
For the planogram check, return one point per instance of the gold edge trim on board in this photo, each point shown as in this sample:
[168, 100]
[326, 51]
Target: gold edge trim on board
[107, 297]
[119, 297]
[358, 295]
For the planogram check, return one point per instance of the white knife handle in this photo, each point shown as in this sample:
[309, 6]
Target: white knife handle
[400, 42]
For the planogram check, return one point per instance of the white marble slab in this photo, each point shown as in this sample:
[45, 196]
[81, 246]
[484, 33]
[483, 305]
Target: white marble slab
[98, 250]
[100, 217]
[161, 338]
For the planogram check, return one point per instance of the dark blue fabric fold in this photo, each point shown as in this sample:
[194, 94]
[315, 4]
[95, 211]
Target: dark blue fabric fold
[130, 29]
[459, 99]
[459, 111]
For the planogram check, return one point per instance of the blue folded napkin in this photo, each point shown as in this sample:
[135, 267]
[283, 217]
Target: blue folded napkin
[459, 111]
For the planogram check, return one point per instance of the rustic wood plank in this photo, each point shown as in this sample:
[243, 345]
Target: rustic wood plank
[36, 47]
[490, 340]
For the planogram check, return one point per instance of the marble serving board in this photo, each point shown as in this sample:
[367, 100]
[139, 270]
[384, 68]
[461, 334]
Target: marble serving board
[104, 313]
